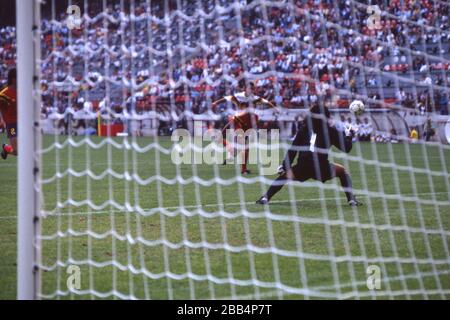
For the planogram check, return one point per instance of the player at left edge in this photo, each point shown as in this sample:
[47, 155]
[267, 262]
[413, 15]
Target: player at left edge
[8, 117]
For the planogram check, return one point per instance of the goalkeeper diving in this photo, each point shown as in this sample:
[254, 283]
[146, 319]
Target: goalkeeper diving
[312, 142]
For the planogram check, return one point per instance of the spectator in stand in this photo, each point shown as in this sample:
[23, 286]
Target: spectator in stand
[393, 137]
[366, 130]
[340, 124]
[414, 135]
[428, 130]
[317, 59]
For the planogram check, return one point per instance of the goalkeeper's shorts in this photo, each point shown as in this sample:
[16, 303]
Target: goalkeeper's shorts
[308, 169]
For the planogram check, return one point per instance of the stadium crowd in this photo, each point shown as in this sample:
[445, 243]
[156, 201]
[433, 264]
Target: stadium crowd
[173, 59]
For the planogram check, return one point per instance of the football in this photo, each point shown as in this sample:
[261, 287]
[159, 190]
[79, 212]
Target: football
[357, 107]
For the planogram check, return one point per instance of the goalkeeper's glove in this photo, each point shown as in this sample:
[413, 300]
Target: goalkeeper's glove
[281, 170]
[350, 132]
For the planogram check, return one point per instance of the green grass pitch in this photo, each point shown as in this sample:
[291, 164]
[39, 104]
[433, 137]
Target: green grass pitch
[308, 241]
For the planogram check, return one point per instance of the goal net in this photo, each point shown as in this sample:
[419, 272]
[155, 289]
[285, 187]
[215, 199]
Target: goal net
[126, 204]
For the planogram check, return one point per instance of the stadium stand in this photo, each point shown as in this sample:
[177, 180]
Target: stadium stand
[317, 49]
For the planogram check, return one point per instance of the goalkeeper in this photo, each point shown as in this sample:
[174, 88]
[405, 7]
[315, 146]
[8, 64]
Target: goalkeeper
[312, 142]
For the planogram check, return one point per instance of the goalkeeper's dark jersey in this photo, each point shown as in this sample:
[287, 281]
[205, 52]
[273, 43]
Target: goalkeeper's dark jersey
[312, 144]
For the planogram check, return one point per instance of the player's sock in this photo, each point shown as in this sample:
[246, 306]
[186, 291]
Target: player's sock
[230, 151]
[244, 169]
[244, 164]
[227, 145]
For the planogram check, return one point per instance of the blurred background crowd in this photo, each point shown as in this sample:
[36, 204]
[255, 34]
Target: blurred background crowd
[176, 57]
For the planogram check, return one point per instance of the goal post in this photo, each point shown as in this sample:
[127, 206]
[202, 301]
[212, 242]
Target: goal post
[28, 41]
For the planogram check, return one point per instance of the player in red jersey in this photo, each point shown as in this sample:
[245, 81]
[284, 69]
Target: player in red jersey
[244, 118]
[8, 109]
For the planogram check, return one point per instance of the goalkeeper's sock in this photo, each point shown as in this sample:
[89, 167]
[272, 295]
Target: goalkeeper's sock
[346, 183]
[276, 186]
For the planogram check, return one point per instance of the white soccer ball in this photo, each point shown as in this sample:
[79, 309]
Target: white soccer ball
[357, 107]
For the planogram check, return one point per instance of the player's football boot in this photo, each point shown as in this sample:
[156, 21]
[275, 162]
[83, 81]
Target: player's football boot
[262, 200]
[354, 203]
[246, 172]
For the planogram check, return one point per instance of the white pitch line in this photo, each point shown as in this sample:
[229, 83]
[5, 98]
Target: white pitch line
[95, 164]
[121, 163]
[274, 293]
[231, 204]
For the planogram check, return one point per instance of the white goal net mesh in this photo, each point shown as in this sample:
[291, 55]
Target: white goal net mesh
[119, 218]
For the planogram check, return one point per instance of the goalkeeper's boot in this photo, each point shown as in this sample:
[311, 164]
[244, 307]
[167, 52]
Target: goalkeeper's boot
[354, 203]
[4, 153]
[262, 200]
[245, 172]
